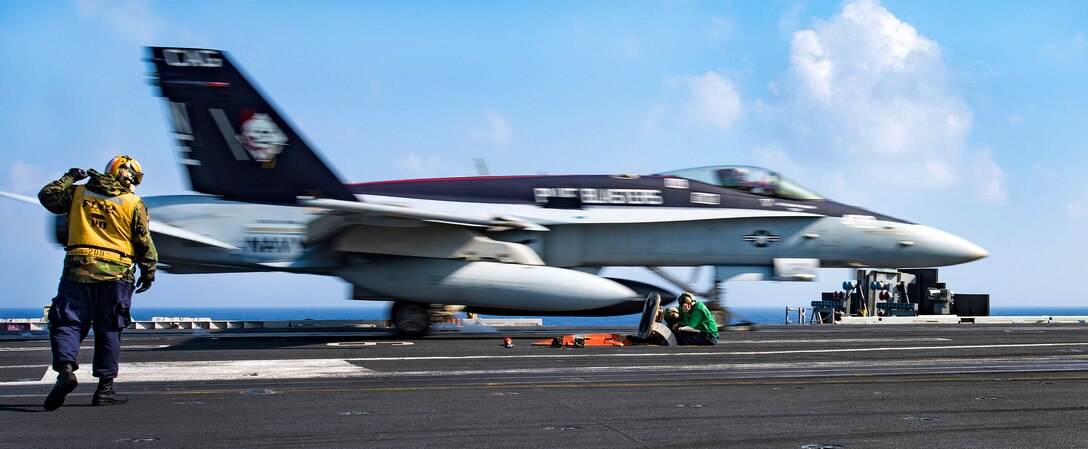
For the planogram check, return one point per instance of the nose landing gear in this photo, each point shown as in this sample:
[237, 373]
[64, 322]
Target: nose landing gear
[715, 301]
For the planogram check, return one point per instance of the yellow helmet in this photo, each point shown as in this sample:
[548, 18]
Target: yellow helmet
[129, 162]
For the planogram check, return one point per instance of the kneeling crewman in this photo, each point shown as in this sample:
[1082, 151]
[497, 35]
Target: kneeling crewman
[108, 237]
[696, 325]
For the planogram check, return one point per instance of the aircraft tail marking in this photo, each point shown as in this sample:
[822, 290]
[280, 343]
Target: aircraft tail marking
[232, 141]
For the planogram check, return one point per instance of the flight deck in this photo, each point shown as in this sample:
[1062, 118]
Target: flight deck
[848, 386]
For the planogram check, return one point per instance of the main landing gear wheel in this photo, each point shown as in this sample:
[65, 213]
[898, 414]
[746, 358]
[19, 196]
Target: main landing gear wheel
[723, 316]
[649, 315]
[649, 329]
[411, 319]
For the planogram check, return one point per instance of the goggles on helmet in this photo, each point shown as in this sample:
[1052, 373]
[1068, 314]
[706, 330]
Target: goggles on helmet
[119, 162]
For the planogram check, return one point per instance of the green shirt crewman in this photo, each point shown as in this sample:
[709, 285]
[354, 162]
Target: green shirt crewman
[696, 325]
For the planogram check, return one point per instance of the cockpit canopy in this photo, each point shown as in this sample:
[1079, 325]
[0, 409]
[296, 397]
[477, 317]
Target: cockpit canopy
[747, 179]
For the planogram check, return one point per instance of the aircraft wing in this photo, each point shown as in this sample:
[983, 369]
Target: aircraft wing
[159, 227]
[387, 211]
[156, 227]
[371, 228]
[17, 197]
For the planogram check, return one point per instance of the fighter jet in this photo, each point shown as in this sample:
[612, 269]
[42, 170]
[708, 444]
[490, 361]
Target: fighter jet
[524, 245]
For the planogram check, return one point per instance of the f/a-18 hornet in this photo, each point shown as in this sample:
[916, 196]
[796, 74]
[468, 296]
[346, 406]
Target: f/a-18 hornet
[525, 245]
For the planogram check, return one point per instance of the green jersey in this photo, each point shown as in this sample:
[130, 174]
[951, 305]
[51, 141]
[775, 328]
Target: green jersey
[699, 319]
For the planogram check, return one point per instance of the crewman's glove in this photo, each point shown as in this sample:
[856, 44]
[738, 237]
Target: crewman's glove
[77, 174]
[144, 282]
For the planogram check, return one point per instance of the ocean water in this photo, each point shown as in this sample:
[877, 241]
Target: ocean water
[757, 315]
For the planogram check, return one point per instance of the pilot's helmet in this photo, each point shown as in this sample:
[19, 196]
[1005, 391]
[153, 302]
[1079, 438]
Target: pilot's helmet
[732, 176]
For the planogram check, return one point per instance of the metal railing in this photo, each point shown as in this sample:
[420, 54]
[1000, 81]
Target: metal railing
[801, 315]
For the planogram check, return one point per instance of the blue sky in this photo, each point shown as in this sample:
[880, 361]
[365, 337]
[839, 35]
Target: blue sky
[966, 116]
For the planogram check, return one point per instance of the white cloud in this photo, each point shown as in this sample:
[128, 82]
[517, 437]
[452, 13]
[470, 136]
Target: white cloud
[940, 174]
[497, 131]
[1076, 47]
[26, 179]
[721, 28]
[992, 184]
[133, 18]
[137, 21]
[713, 98]
[413, 165]
[1078, 208]
[812, 64]
[879, 82]
[886, 41]
[776, 158]
[871, 90]
[791, 19]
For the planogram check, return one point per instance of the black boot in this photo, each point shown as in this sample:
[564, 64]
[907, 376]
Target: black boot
[105, 395]
[66, 382]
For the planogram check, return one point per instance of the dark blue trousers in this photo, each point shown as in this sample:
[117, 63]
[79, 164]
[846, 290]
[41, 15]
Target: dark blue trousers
[79, 307]
[694, 338]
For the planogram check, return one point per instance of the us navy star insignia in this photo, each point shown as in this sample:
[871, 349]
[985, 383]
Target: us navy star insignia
[762, 238]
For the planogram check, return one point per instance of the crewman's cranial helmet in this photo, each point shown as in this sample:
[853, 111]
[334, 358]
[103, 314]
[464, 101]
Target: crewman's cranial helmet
[685, 298]
[134, 175]
[672, 315]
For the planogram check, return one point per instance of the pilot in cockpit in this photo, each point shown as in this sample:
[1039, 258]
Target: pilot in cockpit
[734, 178]
[745, 180]
[766, 185]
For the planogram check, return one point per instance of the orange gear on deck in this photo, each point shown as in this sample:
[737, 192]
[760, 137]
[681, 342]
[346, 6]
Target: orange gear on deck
[586, 340]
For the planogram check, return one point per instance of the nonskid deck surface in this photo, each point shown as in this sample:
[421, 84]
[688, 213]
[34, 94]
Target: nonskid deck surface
[778, 386]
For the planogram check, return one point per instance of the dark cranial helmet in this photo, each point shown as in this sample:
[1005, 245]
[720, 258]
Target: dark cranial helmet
[685, 298]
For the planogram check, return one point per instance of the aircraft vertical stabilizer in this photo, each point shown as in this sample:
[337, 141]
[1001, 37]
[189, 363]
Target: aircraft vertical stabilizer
[232, 141]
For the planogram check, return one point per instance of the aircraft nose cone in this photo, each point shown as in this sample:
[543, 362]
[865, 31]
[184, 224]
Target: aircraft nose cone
[976, 252]
[950, 249]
